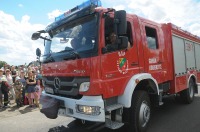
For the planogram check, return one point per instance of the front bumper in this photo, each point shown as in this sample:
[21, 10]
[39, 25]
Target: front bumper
[69, 107]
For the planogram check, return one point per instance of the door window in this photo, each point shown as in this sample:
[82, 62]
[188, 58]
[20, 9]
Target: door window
[151, 38]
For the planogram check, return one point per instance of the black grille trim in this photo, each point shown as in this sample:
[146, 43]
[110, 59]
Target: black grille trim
[69, 86]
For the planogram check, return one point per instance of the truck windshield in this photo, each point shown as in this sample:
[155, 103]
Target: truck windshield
[73, 40]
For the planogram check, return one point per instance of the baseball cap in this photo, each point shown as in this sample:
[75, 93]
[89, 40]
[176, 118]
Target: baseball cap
[17, 78]
[3, 79]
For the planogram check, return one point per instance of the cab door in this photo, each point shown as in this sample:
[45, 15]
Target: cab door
[119, 66]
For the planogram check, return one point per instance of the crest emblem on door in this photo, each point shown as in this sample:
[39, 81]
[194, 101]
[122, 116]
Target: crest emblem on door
[122, 65]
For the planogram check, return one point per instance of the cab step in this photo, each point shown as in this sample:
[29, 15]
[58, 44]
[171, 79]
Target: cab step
[113, 124]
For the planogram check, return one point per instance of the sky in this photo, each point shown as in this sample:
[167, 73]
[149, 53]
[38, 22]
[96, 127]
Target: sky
[20, 18]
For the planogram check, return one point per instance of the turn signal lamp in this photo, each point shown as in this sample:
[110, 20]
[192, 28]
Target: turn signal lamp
[84, 86]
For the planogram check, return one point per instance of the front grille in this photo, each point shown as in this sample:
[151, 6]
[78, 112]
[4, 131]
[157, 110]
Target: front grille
[67, 79]
[69, 86]
[66, 88]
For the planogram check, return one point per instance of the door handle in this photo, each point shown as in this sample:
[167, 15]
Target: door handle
[134, 63]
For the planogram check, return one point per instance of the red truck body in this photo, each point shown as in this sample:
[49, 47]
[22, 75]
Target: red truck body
[163, 59]
[105, 76]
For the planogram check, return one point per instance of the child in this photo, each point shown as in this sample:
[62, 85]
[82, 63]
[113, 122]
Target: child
[38, 90]
[18, 91]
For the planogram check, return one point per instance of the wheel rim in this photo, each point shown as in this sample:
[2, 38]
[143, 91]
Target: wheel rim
[191, 90]
[144, 114]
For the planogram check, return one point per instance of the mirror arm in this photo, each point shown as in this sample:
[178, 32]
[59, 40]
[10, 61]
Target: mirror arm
[109, 10]
[45, 38]
[42, 31]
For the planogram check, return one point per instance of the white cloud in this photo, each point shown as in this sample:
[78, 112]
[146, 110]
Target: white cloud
[184, 14]
[119, 7]
[20, 5]
[195, 28]
[16, 46]
[54, 14]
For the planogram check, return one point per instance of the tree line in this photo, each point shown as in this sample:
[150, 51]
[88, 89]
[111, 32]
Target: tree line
[2, 63]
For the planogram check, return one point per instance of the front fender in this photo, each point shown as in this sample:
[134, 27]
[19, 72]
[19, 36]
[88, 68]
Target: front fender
[126, 98]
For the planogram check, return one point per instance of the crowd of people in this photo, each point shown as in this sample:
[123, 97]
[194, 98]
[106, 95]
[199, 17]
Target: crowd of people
[22, 84]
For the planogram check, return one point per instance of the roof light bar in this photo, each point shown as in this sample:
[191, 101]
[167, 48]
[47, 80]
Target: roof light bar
[95, 3]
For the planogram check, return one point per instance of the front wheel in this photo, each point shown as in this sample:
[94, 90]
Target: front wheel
[139, 113]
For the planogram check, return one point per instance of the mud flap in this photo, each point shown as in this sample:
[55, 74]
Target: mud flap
[50, 106]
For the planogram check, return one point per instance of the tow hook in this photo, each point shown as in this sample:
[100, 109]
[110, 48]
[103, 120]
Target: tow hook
[83, 121]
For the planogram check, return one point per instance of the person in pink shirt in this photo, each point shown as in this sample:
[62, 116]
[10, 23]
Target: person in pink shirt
[38, 91]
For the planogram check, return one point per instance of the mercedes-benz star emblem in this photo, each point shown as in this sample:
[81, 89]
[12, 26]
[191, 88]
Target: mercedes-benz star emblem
[57, 83]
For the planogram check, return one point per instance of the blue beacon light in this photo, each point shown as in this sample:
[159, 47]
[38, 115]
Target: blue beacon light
[85, 4]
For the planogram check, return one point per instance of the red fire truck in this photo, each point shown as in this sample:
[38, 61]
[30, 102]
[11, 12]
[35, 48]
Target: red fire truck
[93, 79]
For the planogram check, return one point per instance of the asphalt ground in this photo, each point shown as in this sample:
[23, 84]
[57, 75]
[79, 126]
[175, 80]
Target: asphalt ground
[173, 116]
[13, 110]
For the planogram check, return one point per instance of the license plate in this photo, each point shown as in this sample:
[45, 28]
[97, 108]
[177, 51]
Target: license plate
[49, 90]
[62, 112]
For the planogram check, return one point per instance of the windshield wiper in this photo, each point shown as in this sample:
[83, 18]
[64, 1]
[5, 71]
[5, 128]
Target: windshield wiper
[66, 49]
[73, 55]
[48, 59]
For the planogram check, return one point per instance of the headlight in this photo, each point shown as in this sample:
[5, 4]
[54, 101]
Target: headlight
[88, 110]
[84, 86]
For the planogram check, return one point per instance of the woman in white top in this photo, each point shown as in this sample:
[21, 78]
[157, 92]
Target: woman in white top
[10, 82]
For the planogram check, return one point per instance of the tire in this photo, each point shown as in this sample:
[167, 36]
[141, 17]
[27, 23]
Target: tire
[140, 112]
[187, 95]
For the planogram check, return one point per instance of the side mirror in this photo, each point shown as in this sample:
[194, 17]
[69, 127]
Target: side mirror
[38, 52]
[35, 36]
[123, 42]
[120, 21]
